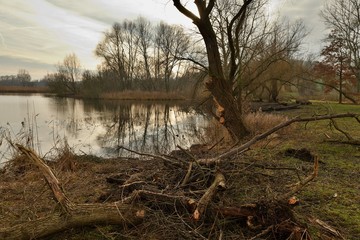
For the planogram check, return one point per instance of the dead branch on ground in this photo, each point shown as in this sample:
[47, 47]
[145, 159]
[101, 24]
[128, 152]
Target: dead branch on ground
[71, 215]
[240, 149]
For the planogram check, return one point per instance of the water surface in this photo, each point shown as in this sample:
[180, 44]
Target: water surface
[97, 127]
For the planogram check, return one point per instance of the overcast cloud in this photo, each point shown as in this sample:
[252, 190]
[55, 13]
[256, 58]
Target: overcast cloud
[37, 34]
[307, 11]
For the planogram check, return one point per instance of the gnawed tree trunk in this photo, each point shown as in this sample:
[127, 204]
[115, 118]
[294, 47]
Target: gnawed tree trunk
[70, 215]
[220, 86]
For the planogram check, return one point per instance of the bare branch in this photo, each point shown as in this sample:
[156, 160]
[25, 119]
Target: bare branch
[240, 15]
[186, 11]
[241, 148]
[303, 183]
[210, 6]
[193, 61]
[50, 178]
[165, 159]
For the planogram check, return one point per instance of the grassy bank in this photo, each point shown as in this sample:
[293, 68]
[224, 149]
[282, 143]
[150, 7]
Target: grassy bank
[335, 195]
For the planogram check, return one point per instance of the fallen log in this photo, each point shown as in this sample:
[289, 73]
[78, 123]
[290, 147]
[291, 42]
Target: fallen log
[70, 215]
[80, 216]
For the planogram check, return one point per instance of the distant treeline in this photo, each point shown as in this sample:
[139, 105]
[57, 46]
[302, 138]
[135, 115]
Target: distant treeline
[22, 79]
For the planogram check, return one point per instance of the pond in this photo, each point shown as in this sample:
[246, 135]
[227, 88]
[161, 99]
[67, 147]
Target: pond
[97, 127]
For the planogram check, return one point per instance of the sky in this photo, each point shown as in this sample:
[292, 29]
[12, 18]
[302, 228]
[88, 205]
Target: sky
[37, 34]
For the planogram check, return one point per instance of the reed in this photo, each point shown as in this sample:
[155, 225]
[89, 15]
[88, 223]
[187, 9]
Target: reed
[143, 95]
[23, 89]
[258, 122]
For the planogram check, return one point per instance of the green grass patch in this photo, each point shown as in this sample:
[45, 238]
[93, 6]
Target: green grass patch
[334, 196]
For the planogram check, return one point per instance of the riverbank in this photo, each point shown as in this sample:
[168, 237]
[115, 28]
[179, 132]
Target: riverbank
[260, 174]
[23, 89]
[142, 95]
[119, 95]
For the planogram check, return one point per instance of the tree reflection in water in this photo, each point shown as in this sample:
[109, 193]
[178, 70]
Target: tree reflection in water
[97, 127]
[154, 128]
[146, 127]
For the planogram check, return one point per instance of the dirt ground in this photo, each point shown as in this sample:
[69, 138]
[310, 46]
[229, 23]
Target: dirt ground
[328, 208]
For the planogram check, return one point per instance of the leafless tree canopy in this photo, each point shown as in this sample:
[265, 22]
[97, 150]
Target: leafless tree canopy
[242, 44]
[138, 50]
[344, 17]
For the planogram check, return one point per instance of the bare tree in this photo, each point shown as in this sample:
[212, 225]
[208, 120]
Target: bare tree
[266, 59]
[344, 17]
[126, 51]
[172, 42]
[66, 79]
[130, 45]
[241, 44]
[24, 77]
[144, 33]
[112, 51]
[219, 84]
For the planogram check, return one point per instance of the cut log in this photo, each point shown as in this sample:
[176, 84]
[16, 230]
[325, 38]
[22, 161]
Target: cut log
[242, 211]
[219, 182]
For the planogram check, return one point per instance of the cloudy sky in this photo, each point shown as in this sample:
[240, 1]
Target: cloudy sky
[37, 34]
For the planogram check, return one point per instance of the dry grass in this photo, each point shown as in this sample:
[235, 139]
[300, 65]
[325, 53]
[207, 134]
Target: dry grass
[259, 122]
[23, 89]
[256, 122]
[142, 95]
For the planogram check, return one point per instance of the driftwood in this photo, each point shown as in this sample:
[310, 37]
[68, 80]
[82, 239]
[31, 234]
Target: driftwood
[70, 215]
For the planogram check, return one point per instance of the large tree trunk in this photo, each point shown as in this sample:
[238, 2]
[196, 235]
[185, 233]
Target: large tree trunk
[228, 110]
[220, 86]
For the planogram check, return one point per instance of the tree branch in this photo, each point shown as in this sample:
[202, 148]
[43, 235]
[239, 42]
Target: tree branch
[209, 7]
[239, 149]
[50, 178]
[240, 14]
[186, 12]
[219, 182]
[193, 61]
[301, 184]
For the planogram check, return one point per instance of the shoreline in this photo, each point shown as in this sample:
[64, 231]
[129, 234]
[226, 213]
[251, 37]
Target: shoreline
[125, 95]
